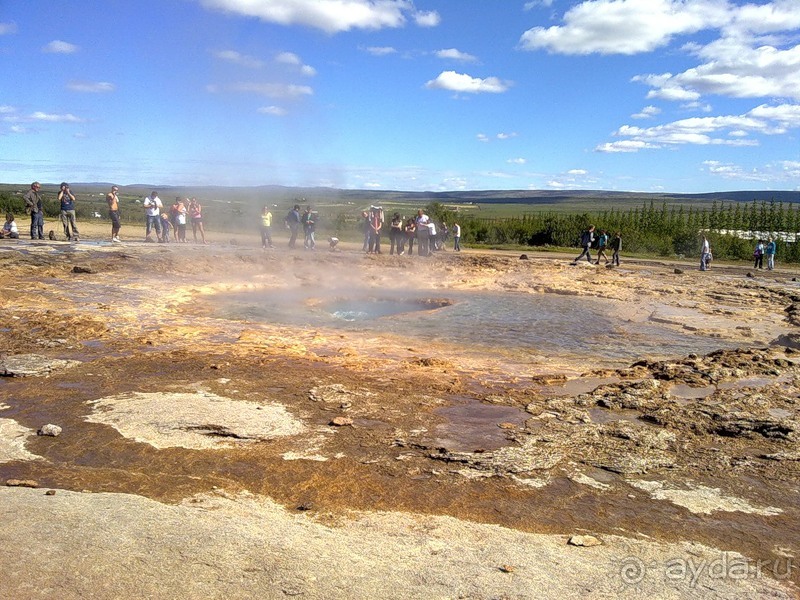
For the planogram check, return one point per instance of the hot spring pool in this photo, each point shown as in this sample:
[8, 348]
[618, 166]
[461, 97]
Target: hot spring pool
[476, 322]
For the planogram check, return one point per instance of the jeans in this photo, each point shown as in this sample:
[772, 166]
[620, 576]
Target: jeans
[423, 240]
[374, 242]
[586, 252]
[266, 236]
[153, 222]
[770, 261]
[68, 221]
[457, 243]
[309, 243]
[37, 225]
[293, 234]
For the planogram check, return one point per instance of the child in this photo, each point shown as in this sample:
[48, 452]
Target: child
[9, 229]
[165, 227]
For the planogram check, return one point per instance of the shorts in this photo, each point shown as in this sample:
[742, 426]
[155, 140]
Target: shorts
[114, 215]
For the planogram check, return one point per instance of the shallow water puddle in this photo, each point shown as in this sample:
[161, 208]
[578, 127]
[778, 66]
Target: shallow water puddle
[476, 426]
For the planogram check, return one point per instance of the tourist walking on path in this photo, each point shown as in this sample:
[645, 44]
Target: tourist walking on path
[758, 255]
[616, 248]
[266, 228]
[34, 206]
[770, 251]
[602, 242]
[456, 237]
[67, 201]
[586, 243]
[196, 215]
[152, 210]
[705, 251]
[113, 212]
[292, 222]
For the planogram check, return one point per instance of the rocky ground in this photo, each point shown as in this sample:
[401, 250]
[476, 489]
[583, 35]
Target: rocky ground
[206, 456]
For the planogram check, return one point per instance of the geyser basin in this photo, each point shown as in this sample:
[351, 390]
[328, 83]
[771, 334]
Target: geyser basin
[490, 324]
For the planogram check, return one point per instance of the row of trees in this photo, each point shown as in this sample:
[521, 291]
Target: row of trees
[732, 228]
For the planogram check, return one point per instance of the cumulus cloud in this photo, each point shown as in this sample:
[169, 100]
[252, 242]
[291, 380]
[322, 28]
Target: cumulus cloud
[91, 87]
[275, 111]
[624, 26]
[59, 47]
[763, 120]
[238, 58]
[454, 54]
[517, 161]
[290, 58]
[482, 137]
[647, 112]
[331, 16]
[463, 83]
[506, 136]
[8, 28]
[427, 18]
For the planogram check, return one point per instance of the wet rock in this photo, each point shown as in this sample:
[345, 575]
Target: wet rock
[50, 430]
[745, 426]
[586, 541]
[305, 506]
[678, 271]
[506, 568]
[33, 365]
[79, 269]
[341, 421]
[50, 493]
[523, 257]
[29, 483]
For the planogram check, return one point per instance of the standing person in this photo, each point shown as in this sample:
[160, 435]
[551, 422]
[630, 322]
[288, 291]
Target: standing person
[602, 242]
[309, 227]
[396, 234]
[758, 255]
[411, 233]
[365, 229]
[113, 212]
[423, 233]
[166, 225]
[616, 248]
[34, 206]
[375, 224]
[196, 215]
[705, 250]
[181, 212]
[586, 243]
[266, 228]
[770, 250]
[152, 210]
[67, 201]
[292, 222]
[433, 240]
[456, 237]
[444, 235]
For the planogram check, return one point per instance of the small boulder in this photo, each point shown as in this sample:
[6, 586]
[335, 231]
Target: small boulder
[79, 269]
[50, 429]
[341, 421]
[523, 257]
[678, 271]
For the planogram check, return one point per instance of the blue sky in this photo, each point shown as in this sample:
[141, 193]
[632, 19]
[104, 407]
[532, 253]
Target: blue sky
[628, 95]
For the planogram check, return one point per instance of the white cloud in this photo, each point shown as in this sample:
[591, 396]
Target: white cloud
[271, 90]
[454, 54]
[647, 112]
[55, 118]
[238, 58]
[290, 58]
[427, 18]
[460, 82]
[764, 120]
[380, 50]
[482, 137]
[275, 111]
[625, 26]
[578, 172]
[6, 109]
[517, 161]
[8, 28]
[92, 87]
[506, 136]
[19, 129]
[59, 47]
[331, 16]
[534, 3]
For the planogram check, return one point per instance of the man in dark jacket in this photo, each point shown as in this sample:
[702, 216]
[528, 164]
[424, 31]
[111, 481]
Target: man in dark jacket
[34, 207]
